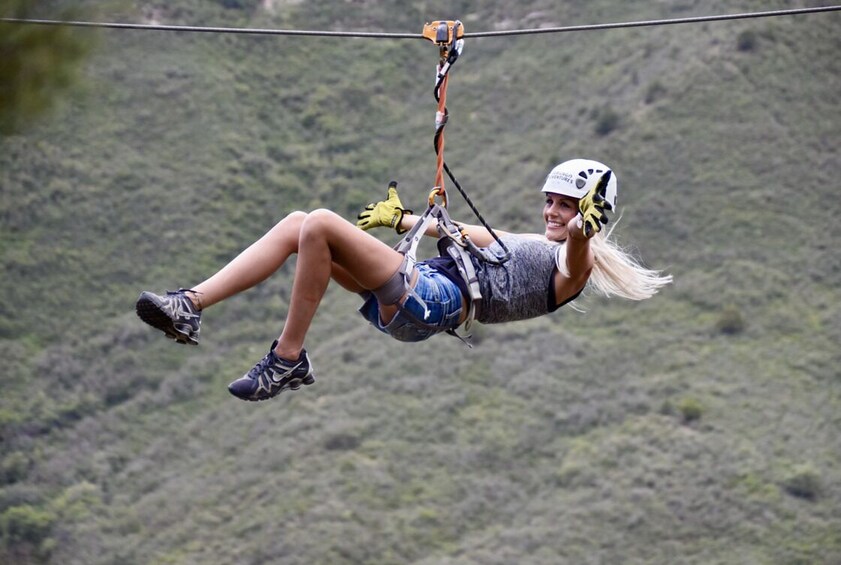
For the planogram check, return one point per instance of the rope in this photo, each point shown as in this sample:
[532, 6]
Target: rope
[381, 35]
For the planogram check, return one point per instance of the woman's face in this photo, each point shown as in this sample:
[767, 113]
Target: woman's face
[557, 213]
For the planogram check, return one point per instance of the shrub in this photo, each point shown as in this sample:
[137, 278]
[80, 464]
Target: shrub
[746, 41]
[239, 4]
[13, 467]
[77, 502]
[607, 120]
[690, 410]
[342, 442]
[803, 482]
[655, 91]
[730, 322]
[25, 524]
[40, 64]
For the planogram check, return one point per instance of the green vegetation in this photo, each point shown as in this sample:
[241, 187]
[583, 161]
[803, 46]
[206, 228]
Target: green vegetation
[39, 63]
[698, 427]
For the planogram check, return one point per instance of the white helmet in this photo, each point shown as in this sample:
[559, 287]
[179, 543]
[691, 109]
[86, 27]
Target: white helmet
[570, 178]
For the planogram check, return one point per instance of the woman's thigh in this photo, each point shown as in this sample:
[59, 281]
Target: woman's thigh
[360, 257]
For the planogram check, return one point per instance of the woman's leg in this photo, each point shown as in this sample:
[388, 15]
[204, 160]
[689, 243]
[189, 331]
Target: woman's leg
[260, 260]
[178, 313]
[327, 239]
[328, 247]
[255, 264]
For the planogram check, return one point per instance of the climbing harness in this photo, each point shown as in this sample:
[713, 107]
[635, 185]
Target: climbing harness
[453, 240]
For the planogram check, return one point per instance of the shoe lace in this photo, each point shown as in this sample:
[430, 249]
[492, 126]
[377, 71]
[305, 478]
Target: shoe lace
[198, 305]
[180, 305]
[260, 367]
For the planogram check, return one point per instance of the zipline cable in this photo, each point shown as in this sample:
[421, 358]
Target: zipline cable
[200, 29]
[650, 23]
[381, 35]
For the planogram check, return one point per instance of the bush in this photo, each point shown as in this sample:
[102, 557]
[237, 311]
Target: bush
[341, 442]
[803, 482]
[40, 63]
[607, 120]
[13, 467]
[730, 322]
[746, 41]
[250, 5]
[690, 410]
[25, 524]
[655, 91]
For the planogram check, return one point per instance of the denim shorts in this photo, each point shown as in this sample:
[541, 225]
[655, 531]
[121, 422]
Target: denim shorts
[442, 299]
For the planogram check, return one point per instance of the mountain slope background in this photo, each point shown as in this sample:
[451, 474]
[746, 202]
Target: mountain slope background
[701, 426]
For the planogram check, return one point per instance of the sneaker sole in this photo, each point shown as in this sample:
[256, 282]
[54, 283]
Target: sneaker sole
[148, 311]
[294, 384]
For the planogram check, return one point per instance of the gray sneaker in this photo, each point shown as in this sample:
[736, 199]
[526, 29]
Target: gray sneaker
[272, 375]
[173, 314]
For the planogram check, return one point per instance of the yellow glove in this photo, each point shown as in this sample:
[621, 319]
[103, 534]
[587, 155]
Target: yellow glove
[592, 207]
[388, 212]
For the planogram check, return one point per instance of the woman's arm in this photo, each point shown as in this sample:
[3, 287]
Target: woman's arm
[391, 212]
[479, 234]
[408, 221]
[579, 263]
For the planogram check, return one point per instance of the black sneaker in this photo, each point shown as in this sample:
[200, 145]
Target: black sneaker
[272, 375]
[173, 314]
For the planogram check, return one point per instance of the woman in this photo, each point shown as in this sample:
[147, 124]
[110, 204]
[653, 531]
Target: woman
[543, 273]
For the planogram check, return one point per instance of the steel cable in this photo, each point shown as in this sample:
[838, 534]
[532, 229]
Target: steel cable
[382, 35]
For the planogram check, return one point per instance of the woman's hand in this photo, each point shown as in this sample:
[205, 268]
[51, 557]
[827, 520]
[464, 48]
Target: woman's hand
[592, 206]
[388, 212]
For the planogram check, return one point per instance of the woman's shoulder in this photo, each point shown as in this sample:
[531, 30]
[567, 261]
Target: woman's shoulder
[533, 237]
[529, 238]
[524, 245]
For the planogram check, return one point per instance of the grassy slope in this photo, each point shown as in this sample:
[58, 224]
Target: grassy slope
[566, 439]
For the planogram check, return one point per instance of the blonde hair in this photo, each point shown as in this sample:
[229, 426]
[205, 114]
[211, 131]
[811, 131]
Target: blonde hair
[615, 271]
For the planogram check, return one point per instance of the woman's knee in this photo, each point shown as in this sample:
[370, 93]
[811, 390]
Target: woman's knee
[292, 222]
[295, 218]
[287, 232]
[298, 224]
[322, 215]
[319, 222]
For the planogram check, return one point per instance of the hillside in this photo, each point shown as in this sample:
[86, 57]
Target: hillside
[701, 426]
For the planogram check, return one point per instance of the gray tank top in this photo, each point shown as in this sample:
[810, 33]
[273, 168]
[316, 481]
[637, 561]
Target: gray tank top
[519, 288]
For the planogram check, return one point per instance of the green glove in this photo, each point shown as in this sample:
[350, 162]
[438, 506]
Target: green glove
[388, 212]
[592, 207]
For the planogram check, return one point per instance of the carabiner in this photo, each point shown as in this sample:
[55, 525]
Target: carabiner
[438, 191]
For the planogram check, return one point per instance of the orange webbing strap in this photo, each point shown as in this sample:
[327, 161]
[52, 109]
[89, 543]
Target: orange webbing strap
[440, 122]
